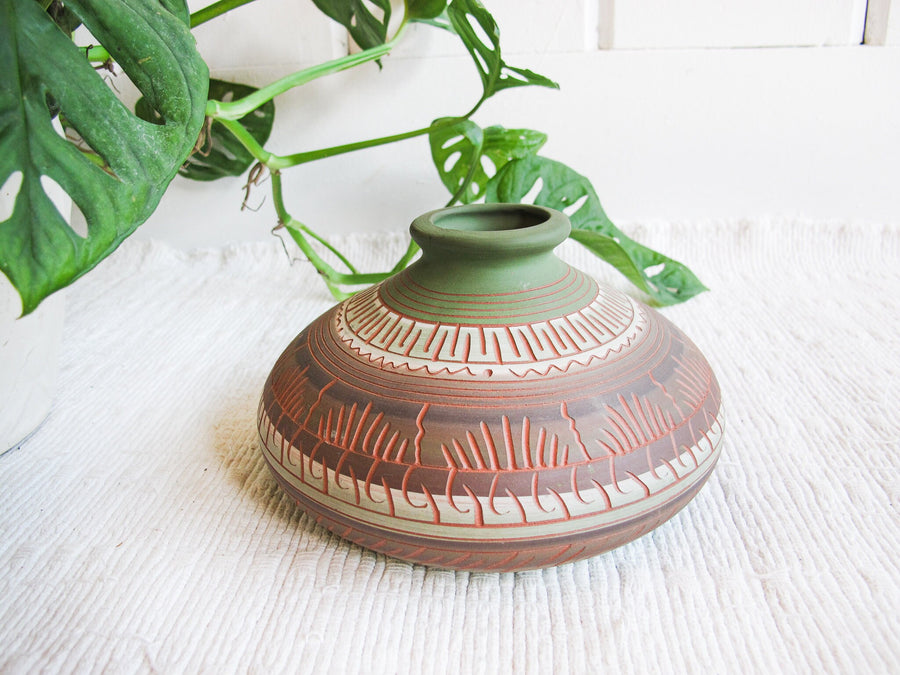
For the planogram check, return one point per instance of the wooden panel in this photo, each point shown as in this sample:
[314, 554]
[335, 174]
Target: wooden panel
[883, 24]
[639, 24]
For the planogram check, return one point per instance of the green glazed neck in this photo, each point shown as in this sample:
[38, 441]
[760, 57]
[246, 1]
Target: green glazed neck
[489, 264]
[488, 248]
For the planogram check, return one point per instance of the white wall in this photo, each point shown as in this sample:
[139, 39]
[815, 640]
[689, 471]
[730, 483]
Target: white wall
[661, 24]
[663, 133]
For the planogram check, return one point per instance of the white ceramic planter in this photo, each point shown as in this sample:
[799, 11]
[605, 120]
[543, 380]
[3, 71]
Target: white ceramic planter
[29, 346]
[29, 364]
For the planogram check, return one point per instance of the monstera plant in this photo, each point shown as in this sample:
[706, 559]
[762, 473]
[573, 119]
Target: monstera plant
[122, 165]
[122, 161]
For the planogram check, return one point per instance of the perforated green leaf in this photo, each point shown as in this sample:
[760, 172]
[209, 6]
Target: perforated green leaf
[120, 183]
[455, 151]
[366, 20]
[425, 9]
[467, 156]
[473, 23]
[553, 184]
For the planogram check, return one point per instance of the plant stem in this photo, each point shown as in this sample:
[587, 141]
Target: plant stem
[214, 10]
[296, 229]
[229, 113]
[304, 157]
[277, 162]
[340, 256]
[251, 144]
[286, 161]
[236, 109]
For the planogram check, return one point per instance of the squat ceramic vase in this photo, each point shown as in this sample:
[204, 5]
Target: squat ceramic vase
[491, 407]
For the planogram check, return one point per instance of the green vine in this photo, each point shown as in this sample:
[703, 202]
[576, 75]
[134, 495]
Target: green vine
[513, 153]
[117, 166]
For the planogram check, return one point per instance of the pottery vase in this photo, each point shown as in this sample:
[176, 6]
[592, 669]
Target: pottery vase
[491, 407]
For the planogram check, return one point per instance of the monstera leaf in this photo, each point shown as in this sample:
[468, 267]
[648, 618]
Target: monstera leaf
[556, 185]
[425, 9]
[366, 20]
[467, 156]
[481, 37]
[125, 164]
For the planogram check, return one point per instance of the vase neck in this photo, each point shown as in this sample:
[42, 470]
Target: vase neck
[489, 248]
[488, 263]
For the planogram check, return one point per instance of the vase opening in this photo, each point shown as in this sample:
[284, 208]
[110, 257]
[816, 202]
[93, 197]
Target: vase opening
[488, 230]
[495, 220]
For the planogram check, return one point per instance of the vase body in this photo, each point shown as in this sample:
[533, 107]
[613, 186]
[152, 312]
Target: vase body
[491, 407]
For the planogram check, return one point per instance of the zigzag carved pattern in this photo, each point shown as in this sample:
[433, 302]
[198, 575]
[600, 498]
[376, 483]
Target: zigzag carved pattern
[370, 327]
[558, 367]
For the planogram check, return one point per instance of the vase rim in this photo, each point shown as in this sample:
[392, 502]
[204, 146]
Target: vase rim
[491, 228]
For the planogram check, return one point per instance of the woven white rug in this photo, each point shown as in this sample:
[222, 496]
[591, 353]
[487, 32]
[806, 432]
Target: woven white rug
[140, 530]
